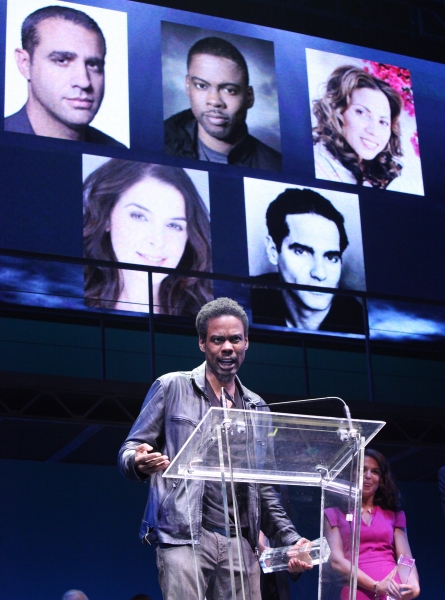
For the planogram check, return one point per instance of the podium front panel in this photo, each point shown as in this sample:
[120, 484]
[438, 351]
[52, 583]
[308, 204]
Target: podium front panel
[315, 463]
[272, 448]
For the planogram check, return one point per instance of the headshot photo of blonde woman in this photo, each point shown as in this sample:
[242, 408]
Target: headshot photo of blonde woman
[363, 123]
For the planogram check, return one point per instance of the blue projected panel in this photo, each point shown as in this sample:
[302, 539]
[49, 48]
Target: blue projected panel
[162, 138]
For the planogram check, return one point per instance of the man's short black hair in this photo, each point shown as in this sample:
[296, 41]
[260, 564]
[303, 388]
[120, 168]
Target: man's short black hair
[221, 307]
[30, 35]
[299, 202]
[216, 46]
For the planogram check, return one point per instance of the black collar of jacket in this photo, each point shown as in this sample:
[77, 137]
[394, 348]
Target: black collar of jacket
[238, 154]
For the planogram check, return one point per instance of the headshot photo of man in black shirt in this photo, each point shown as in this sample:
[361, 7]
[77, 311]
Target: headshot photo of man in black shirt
[220, 95]
[306, 242]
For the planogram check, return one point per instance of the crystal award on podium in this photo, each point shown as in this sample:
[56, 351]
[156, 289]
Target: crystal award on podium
[312, 553]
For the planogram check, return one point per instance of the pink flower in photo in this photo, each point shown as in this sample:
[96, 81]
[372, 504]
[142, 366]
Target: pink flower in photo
[398, 78]
[415, 142]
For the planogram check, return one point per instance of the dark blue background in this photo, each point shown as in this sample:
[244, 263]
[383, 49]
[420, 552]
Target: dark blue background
[77, 525]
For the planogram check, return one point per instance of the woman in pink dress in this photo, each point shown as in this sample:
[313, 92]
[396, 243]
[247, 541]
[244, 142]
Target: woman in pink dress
[383, 537]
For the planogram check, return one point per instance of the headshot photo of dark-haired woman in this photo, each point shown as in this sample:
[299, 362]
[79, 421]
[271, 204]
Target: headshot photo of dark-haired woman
[357, 127]
[148, 215]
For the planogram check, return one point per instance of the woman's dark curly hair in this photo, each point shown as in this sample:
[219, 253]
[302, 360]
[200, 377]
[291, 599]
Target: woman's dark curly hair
[178, 295]
[329, 109]
[387, 495]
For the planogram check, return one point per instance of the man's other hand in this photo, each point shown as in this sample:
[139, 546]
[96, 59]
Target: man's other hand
[298, 565]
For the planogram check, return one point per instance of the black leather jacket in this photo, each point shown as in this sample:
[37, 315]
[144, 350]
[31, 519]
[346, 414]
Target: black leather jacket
[173, 407]
[181, 139]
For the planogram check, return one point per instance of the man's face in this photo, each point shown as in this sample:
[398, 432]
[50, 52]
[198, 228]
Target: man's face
[219, 96]
[224, 347]
[66, 72]
[310, 255]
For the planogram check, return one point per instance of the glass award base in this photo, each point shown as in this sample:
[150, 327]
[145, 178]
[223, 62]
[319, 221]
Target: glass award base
[405, 565]
[312, 553]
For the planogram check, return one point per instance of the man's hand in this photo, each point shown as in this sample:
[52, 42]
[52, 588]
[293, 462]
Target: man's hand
[148, 462]
[297, 565]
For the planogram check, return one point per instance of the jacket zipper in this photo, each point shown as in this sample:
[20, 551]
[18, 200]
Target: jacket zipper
[167, 496]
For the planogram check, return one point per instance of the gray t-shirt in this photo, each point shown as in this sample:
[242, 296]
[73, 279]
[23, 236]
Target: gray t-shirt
[206, 153]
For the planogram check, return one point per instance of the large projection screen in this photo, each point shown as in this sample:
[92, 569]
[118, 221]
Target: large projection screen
[163, 138]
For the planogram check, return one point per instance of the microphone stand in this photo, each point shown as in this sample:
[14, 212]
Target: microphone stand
[351, 434]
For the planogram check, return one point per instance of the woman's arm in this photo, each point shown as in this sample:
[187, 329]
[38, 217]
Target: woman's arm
[343, 566]
[411, 589]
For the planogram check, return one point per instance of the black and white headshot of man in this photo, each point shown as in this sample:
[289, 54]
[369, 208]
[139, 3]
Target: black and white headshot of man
[307, 237]
[210, 95]
[61, 59]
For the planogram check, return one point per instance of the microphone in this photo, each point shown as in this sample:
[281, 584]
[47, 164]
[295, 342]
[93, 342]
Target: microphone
[226, 421]
[352, 431]
[223, 398]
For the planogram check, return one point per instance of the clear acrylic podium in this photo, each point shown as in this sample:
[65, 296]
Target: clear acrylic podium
[315, 462]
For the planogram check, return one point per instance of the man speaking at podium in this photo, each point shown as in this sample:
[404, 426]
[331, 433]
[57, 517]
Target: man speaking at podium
[173, 407]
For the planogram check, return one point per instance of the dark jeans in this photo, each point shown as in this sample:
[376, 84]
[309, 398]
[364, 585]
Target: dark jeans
[178, 577]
